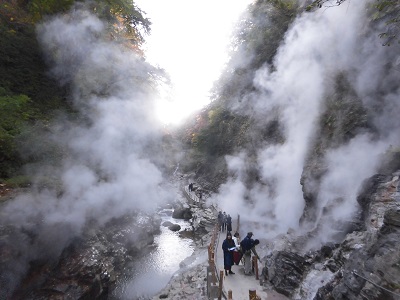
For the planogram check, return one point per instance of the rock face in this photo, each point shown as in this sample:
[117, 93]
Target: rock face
[365, 265]
[182, 213]
[287, 272]
[87, 269]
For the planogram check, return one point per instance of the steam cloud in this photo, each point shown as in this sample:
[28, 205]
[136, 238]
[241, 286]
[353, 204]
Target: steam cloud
[315, 48]
[108, 169]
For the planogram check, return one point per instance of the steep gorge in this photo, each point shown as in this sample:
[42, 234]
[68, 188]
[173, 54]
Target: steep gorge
[305, 113]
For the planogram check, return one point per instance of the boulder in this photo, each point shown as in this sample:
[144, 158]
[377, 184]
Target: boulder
[182, 213]
[289, 268]
[174, 227]
[167, 224]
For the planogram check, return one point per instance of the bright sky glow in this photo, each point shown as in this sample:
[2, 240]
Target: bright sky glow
[190, 40]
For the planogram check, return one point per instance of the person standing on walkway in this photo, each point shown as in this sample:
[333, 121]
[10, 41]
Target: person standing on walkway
[237, 254]
[228, 223]
[224, 221]
[228, 246]
[248, 246]
[220, 220]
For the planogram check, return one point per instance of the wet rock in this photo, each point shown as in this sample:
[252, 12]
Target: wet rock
[182, 213]
[392, 218]
[167, 224]
[174, 227]
[187, 285]
[326, 250]
[288, 271]
[366, 263]
[86, 269]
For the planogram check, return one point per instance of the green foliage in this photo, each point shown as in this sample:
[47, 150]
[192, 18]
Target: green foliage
[18, 181]
[323, 3]
[255, 44]
[15, 111]
[387, 11]
[29, 99]
[125, 19]
[221, 134]
[23, 70]
[40, 8]
[26, 93]
[219, 131]
[344, 116]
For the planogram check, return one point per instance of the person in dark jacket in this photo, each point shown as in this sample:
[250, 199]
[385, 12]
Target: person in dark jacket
[228, 223]
[228, 246]
[220, 220]
[224, 221]
[248, 245]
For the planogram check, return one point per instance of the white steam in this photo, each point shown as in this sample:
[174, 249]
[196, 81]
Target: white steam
[108, 169]
[315, 48]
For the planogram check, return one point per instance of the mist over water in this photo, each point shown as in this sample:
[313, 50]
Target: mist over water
[316, 48]
[154, 269]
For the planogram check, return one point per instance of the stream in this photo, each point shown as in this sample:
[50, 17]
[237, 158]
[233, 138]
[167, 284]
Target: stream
[150, 273]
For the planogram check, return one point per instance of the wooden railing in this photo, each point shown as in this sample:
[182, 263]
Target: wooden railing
[214, 278]
[214, 290]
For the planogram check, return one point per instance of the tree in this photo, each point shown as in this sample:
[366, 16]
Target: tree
[387, 11]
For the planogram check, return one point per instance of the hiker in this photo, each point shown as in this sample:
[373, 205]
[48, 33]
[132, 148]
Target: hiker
[220, 220]
[224, 221]
[190, 187]
[228, 246]
[229, 223]
[248, 245]
[237, 254]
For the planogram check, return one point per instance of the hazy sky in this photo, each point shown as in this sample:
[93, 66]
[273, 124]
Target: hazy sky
[189, 39]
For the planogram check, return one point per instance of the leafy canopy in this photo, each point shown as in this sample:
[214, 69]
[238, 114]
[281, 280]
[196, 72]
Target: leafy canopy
[387, 11]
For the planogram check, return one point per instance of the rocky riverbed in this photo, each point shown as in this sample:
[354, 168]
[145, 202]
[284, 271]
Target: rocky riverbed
[364, 265]
[95, 263]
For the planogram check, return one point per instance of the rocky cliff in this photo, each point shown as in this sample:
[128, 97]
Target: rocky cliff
[364, 265]
[88, 268]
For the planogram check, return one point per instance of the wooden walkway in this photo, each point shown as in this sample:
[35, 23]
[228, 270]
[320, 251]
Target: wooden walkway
[238, 283]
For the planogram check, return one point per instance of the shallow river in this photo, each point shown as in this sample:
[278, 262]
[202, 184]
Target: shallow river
[153, 271]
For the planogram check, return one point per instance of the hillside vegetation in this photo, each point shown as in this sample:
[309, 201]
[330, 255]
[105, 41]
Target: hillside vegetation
[30, 98]
[231, 123]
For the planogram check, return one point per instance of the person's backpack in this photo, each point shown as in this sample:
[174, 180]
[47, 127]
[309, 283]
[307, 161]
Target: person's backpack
[246, 244]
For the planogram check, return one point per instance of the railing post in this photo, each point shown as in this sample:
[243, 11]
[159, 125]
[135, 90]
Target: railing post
[230, 295]
[256, 267]
[212, 265]
[252, 295]
[221, 280]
